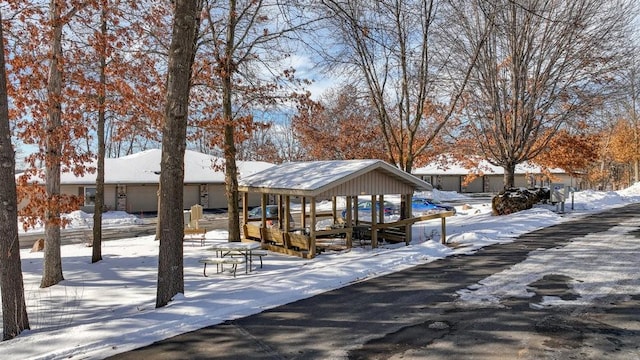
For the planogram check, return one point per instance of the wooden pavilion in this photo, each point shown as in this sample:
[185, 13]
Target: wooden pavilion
[311, 182]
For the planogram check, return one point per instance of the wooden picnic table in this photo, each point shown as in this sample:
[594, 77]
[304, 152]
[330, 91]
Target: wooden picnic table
[234, 248]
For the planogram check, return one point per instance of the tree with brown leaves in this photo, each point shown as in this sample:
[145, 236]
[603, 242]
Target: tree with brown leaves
[573, 152]
[119, 87]
[338, 126]
[14, 309]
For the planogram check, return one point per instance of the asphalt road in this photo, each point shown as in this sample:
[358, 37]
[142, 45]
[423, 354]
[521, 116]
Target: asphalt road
[412, 315]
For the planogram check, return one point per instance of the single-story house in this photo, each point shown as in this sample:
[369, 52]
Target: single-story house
[452, 176]
[131, 182]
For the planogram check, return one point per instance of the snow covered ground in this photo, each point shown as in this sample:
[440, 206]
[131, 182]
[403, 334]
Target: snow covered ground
[109, 307]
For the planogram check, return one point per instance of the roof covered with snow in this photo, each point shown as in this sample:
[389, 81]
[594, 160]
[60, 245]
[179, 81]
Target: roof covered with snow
[452, 167]
[143, 168]
[315, 177]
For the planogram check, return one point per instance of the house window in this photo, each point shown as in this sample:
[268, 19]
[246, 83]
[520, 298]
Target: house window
[89, 196]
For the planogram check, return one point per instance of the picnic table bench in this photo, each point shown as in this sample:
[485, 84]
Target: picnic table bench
[224, 254]
[220, 262]
[254, 253]
[198, 233]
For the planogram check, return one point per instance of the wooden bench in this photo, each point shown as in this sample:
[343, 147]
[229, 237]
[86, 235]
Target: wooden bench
[254, 253]
[220, 262]
[200, 234]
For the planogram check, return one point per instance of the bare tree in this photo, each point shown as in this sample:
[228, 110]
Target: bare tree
[546, 63]
[182, 51]
[245, 43]
[630, 77]
[260, 146]
[288, 146]
[393, 46]
[14, 309]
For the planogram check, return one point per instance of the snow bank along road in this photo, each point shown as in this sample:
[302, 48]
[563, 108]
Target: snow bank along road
[571, 291]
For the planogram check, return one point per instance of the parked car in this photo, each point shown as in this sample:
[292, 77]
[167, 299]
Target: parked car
[364, 209]
[256, 212]
[425, 206]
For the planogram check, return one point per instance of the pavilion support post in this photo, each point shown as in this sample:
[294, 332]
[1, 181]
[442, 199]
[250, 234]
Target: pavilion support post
[374, 216]
[334, 210]
[312, 228]
[263, 218]
[381, 215]
[280, 202]
[381, 212]
[349, 239]
[443, 239]
[287, 211]
[348, 221]
[356, 217]
[245, 208]
[349, 216]
[405, 206]
[303, 213]
[407, 213]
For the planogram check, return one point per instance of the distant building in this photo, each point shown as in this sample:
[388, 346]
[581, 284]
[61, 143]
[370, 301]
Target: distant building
[489, 178]
[131, 182]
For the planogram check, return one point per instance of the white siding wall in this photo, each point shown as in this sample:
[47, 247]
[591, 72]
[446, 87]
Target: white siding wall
[376, 182]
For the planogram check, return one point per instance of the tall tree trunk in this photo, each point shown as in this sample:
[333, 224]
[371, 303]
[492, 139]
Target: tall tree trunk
[14, 309]
[99, 202]
[52, 268]
[636, 135]
[181, 57]
[231, 182]
[509, 175]
[633, 79]
[231, 168]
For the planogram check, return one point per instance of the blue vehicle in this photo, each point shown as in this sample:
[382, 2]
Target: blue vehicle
[423, 206]
[364, 210]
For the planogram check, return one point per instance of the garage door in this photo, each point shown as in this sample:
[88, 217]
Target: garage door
[142, 198]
